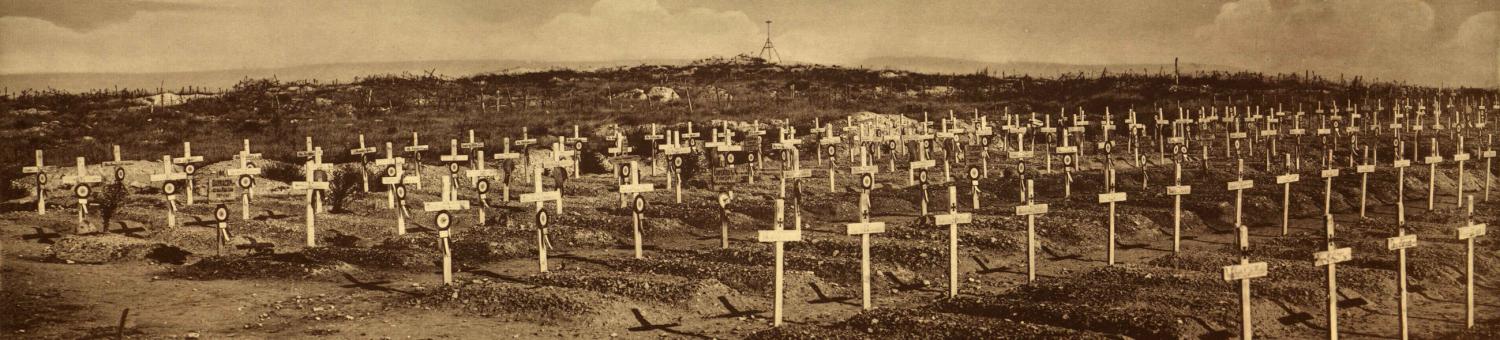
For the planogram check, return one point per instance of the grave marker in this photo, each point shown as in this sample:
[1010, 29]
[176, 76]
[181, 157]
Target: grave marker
[636, 189]
[864, 228]
[481, 178]
[540, 197]
[577, 142]
[364, 160]
[1177, 190]
[168, 180]
[953, 219]
[396, 178]
[1030, 210]
[1069, 164]
[189, 164]
[1329, 173]
[1364, 180]
[415, 149]
[1111, 197]
[1432, 161]
[314, 187]
[779, 235]
[1286, 181]
[508, 160]
[1460, 155]
[1468, 233]
[221, 218]
[473, 145]
[119, 165]
[1400, 243]
[245, 178]
[444, 207]
[1330, 258]
[81, 179]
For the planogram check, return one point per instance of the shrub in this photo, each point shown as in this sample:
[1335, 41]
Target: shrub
[282, 172]
[110, 200]
[343, 186]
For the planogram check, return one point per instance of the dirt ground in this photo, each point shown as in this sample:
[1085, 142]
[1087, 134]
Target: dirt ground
[365, 282]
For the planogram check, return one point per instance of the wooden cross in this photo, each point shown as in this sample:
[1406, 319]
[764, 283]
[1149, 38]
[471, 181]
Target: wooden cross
[481, 178]
[119, 165]
[779, 235]
[1331, 258]
[1460, 155]
[453, 159]
[865, 228]
[921, 163]
[472, 146]
[759, 134]
[508, 165]
[985, 136]
[396, 178]
[690, 135]
[39, 171]
[617, 153]
[1177, 190]
[1030, 209]
[221, 219]
[654, 137]
[189, 165]
[638, 207]
[1329, 173]
[1067, 151]
[245, 178]
[953, 219]
[1239, 186]
[525, 143]
[1489, 158]
[796, 174]
[817, 129]
[540, 197]
[1400, 243]
[675, 151]
[80, 180]
[365, 172]
[577, 142]
[559, 164]
[830, 142]
[1111, 197]
[415, 149]
[314, 187]
[169, 179]
[1364, 180]
[1243, 272]
[1468, 233]
[449, 202]
[1432, 160]
[1286, 180]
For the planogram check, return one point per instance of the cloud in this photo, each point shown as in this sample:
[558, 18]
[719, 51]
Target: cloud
[644, 29]
[1389, 39]
[85, 15]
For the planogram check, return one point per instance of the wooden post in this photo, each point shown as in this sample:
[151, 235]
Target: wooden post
[1177, 191]
[1330, 258]
[397, 179]
[577, 142]
[779, 236]
[1468, 233]
[508, 160]
[364, 170]
[1286, 181]
[1364, 180]
[221, 217]
[1489, 158]
[1067, 151]
[1030, 210]
[1329, 173]
[1460, 155]
[1400, 243]
[446, 204]
[953, 219]
[481, 177]
[473, 145]
[1432, 161]
[1111, 197]
[39, 171]
[830, 142]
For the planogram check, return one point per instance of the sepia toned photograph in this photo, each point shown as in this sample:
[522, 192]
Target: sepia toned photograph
[759, 169]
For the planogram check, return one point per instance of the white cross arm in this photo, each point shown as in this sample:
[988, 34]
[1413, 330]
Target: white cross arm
[866, 228]
[445, 205]
[1471, 231]
[1240, 185]
[1031, 209]
[73, 179]
[185, 160]
[37, 170]
[309, 185]
[482, 173]
[789, 235]
[507, 155]
[947, 219]
[1112, 197]
[454, 158]
[415, 148]
[1245, 271]
[471, 145]
[400, 180]
[362, 151]
[541, 196]
[860, 170]
[1066, 150]
[923, 164]
[1324, 258]
[175, 176]
[1288, 178]
[1175, 190]
[637, 188]
[799, 173]
[242, 171]
[390, 161]
[1401, 242]
[1328, 173]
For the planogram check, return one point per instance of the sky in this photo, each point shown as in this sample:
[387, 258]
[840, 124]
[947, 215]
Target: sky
[1436, 42]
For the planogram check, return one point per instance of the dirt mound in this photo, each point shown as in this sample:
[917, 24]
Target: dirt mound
[657, 288]
[545, 305]
[269, 266]
[105, 248]
[906, 323]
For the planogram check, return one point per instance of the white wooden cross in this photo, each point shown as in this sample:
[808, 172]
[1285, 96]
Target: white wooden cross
[1177, 190]
[245, 178]
[540, 197]
[779, 235]
[1402, 240]
[985, 137]
[482, 179]
[1111, 197]
[1364, 171]
[576, 142]
[1329, 173]
[81, 179]
[1243, 272]
[364, 161]
[169, 179]
[1239, 186]
[415, 149]
[865, 228]
[470, 147]
[119, 165]
[525, 143]
[1068, 153]
[1468, 233]
[953, 219]
[394, 175]
[508, 160]
[559, 162]
[618, 153]
[654, 137]
[189, 164]
[1460, 155]
[830, 143]
[817, 129]
[452, 159]
[690, 135]
[636, 189]
[1331, 258]
[759, 134]
[1286, 181]
[1489, 158]
[446, 204]
[40, 171]
[1432, 160]
[314, 187]
[920, 162]
[675, 151]
[796, 174]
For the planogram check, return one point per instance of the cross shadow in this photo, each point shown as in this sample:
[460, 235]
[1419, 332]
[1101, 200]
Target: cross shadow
[823, 298]
[1213, 334]
[256, 246]
[1058, 257]
[571, 257]
[734, 312]
[647, 326]
[199, 222]
[493, 275]
[984, 267]
[901, 286]
[1146, 246]
[126, 230]
[42, 236]
[270, 215]
[378, 286]
[1294, 317]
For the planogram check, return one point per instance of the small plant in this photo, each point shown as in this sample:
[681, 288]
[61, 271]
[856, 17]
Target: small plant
[282, 172]
[343, 186]
[110, 200]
